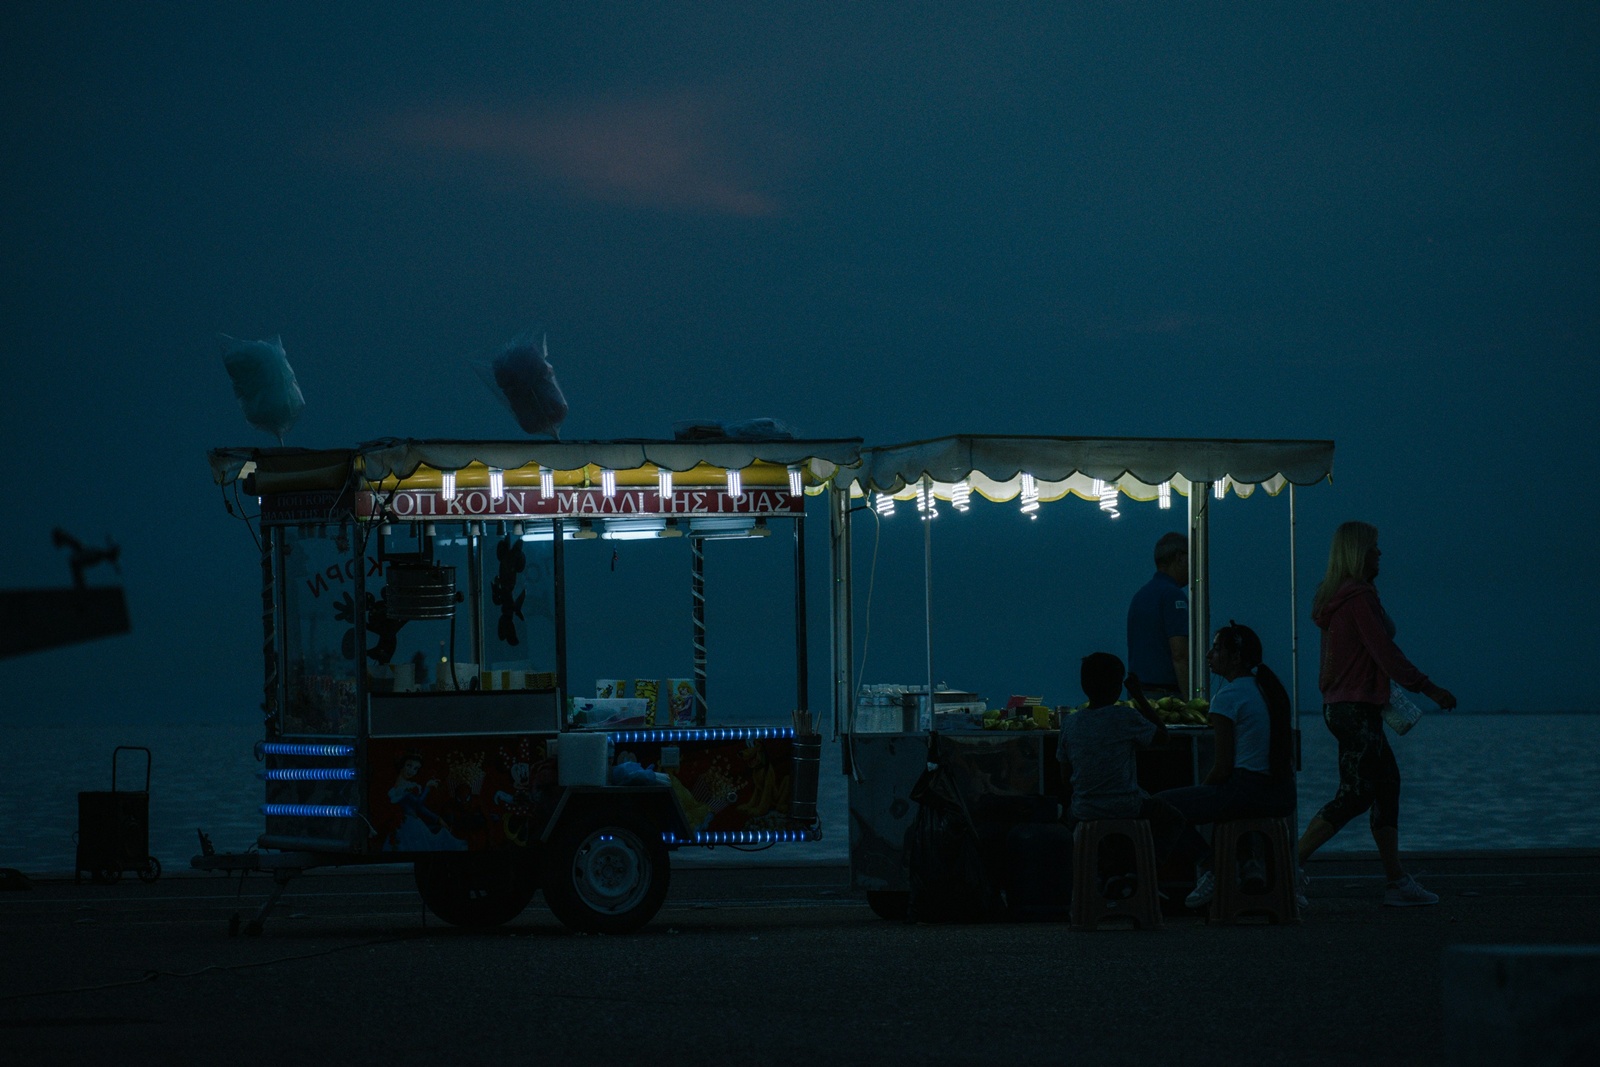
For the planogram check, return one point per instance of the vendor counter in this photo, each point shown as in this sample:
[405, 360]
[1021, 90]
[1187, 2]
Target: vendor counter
[999, 773]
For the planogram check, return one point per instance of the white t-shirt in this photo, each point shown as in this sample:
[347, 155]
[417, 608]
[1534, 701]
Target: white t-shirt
[1240, 700]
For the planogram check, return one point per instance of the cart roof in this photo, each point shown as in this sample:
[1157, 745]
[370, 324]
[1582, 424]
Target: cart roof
[394, 458]
[993, 466]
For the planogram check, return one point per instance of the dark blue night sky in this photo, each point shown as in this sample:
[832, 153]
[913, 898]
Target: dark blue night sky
[1378, 224]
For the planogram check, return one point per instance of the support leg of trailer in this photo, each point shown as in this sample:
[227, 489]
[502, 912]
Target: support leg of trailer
[281, 877]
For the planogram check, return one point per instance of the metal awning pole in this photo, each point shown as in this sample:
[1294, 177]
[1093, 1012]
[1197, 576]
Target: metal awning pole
[697, 590]
[1199, 589]
[273, 686]
[839, 597]
[802, 700]
[927, 590]
[558, 567]
[1294, 621]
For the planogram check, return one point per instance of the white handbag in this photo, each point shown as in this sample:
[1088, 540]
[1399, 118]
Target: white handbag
[1404, 708]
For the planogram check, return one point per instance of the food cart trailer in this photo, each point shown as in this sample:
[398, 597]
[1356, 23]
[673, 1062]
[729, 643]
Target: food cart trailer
[417, 704]
[891, 733]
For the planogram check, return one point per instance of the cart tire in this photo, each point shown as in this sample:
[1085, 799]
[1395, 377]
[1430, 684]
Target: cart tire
[480, 890]
[889, 904]
[151, 869]
[606, 872]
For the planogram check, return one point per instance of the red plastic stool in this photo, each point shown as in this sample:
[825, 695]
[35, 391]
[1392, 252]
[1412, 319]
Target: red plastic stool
[1231, 900]
[1090, 906]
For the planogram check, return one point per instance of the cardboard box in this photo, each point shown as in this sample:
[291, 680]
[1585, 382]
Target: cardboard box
[610, 688]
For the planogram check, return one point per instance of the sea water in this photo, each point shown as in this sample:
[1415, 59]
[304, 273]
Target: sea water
[1505, 781]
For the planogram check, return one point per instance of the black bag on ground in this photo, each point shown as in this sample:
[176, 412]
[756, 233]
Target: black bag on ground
[944, 860]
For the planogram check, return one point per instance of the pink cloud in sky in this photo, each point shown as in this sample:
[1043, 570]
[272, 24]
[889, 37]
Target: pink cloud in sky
[669, 151]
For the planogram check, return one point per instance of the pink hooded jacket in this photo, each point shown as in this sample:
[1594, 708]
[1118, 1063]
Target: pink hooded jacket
[1359, 655]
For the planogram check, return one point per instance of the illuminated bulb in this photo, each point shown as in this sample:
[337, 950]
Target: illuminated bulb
[735, 484]
[926, 506]
[884, 504]
[1164, 495]
[796, 482]
[961, 495]
[1030, 495]
[1096, 487]
[447, 484]
[608, 483]
[1220, 489]
[1108, 500]
[547, 484]
[664, 483]
[497, 484]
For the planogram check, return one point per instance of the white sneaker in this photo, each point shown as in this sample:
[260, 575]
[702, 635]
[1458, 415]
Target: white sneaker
[1302, 887]
[1204, 887]
[1406, 893]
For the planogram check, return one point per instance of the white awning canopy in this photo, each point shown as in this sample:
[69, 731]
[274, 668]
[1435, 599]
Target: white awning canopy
[995, 466]
[379, 460]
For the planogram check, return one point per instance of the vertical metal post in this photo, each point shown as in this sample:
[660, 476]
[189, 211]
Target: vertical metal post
[927, 594]
[271, 695]
[1199, 588]
[558, 594]
[697, 589]
[355, 792]
[1294, 621]
[475, 593]
[358, 557]
[801, 682]
[840, 596]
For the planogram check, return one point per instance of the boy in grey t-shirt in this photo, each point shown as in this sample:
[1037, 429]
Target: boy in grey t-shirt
[1098, 753]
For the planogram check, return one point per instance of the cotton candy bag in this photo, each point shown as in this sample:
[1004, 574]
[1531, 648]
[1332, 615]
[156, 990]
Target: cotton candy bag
[522, 377]
[264, 383]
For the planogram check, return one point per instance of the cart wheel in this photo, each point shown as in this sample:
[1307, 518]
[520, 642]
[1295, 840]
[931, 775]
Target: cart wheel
[479, 890]
[151, 869]
[606, 873]
[888, 904]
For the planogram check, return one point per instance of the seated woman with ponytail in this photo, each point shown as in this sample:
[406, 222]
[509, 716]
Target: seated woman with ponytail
[1252, 776]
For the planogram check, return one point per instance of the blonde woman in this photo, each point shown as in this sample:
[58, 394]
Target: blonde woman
[1359, 659]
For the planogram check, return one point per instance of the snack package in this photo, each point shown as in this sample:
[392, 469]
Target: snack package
[681, 698]
[647, 689]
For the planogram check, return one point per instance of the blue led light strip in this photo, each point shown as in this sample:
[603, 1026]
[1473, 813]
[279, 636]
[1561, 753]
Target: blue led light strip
[310, 774]
[719, 733]
[740, 837]
[310, 811]
[295, 748]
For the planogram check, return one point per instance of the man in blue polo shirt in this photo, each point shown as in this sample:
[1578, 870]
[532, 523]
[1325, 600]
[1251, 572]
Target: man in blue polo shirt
[1158, 622]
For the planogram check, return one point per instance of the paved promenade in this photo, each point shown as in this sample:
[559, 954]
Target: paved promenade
[775, 965]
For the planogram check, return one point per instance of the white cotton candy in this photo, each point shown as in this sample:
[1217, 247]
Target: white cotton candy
[522, 377]
[264, 383]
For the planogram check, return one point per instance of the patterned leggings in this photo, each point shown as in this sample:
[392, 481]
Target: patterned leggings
[1369, 778]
